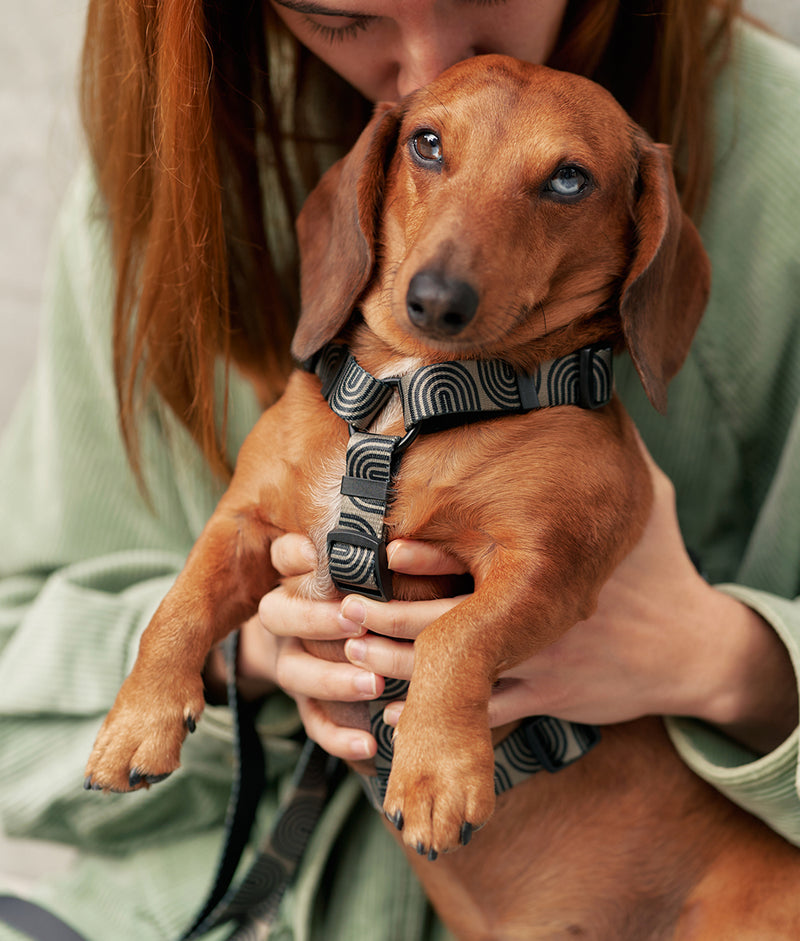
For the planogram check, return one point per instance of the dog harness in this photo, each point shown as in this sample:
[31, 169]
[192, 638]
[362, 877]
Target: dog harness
[433, 398]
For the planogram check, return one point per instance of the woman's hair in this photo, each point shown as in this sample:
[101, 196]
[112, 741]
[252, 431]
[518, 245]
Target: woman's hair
[207, 124]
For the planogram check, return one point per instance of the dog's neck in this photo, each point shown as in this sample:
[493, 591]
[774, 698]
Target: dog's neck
[382, 359]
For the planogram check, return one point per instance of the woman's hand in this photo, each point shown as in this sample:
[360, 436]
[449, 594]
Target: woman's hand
[661, 642]
[279, 654]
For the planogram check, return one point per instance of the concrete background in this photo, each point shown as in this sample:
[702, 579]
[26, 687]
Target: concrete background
[39, 148]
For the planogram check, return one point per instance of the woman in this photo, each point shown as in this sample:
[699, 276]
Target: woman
[199, 174]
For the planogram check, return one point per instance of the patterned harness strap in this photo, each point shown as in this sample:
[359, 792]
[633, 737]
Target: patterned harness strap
[539, 743]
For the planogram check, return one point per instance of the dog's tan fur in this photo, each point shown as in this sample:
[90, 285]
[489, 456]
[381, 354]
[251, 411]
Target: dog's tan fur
[626, 843]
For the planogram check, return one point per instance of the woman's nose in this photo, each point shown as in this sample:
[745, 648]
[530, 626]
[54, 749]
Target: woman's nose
[426, 53]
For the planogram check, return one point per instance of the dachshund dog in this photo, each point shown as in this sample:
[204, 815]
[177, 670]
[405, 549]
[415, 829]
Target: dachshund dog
[507, 213]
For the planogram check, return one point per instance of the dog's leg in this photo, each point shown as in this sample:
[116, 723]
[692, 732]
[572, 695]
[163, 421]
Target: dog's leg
[441, 786]
[226, 574]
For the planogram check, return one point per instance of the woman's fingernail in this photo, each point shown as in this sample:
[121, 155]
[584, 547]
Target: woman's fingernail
[391, 714]
[397, 555]
[350, 628]
[359, 748]
[353, 610]
[366, 683]
[355, 651]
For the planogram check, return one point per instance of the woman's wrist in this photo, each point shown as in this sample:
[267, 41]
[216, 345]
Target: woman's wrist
[749, 691]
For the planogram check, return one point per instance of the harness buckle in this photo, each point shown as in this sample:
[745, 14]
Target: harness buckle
[380, 569]
[539, 745]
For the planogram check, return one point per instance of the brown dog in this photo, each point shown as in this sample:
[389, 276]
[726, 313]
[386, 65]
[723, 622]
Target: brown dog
[505, 212]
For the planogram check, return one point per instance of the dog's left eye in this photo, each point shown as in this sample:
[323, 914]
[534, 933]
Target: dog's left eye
[568, 181]
[427, 147]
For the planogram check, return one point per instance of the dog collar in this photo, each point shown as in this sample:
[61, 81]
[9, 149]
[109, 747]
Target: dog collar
[433, 398]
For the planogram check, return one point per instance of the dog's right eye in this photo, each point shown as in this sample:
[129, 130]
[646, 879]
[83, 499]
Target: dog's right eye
[427, 147]
[569, 183]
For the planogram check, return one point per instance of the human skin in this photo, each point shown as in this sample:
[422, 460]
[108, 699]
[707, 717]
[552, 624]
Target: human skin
[662, 640]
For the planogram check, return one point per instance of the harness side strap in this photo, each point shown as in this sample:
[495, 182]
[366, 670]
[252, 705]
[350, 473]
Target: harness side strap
[34, 921]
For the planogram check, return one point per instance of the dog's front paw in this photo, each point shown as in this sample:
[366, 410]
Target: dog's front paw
[438, 796]
[140, 741]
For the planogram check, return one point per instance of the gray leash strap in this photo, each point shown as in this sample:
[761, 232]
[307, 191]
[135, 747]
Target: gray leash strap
[34, 921]
[253, 903]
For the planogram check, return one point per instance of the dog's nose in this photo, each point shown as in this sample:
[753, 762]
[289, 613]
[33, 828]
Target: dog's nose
[440, 304]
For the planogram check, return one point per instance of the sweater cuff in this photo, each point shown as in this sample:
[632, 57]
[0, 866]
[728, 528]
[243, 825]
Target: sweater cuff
[767, 786]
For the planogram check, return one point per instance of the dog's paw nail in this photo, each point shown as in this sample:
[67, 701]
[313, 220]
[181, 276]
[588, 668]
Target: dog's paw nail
[420, 848]
[432, 855]
[87, 783]
[466, 833]
[136, 778]
[396, 819]
[191, 725]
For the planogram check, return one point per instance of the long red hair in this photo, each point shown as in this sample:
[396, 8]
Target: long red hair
[204, 150]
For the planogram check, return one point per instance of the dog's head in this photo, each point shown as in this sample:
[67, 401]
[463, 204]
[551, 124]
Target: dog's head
[500, 205]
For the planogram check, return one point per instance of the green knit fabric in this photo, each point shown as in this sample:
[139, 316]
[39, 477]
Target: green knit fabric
[84, 560]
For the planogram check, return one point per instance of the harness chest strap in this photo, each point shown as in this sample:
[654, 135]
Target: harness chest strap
[539, 743]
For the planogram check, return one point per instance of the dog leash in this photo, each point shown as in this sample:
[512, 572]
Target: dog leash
[253, 903]
[435, 397]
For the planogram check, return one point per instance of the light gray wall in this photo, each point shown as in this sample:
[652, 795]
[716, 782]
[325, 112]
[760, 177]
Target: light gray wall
[39, 45]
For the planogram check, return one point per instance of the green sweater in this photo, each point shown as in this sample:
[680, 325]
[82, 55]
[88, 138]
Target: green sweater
[84, 560]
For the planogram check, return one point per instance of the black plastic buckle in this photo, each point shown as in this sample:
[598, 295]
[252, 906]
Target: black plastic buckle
[383, 577]
[587, 398]
[526, 389]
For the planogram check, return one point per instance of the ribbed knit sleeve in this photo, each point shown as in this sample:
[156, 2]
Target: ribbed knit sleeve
[84, 561]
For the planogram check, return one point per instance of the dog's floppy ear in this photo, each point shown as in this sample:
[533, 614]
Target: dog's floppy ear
[666, 288]
[336, 230]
